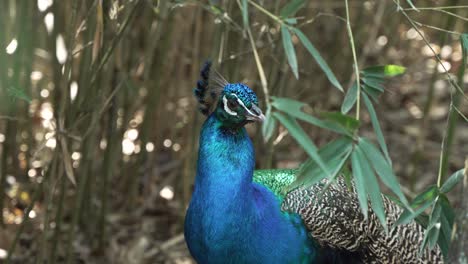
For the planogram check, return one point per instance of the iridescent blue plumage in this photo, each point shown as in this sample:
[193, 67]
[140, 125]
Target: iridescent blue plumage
[236, 216]
[230, 218]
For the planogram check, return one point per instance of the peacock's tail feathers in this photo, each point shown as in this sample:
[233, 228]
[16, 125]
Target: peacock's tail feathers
[334, 219]
[209, 86]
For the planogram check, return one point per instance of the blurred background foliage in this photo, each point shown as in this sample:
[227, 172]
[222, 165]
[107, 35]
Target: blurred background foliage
[99, 128]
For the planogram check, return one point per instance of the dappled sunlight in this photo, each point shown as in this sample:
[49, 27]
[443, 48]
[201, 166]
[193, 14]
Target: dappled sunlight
[11, 48]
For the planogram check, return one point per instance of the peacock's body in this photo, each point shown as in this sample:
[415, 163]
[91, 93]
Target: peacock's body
[239, 216]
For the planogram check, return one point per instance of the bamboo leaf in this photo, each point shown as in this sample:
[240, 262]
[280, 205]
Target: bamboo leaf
[332, 149]
[289, 50]
[314, 174]
[429, 194]
[373, 93]
[464, 44]
[350, 99]
[302, 138]
[318, 58]
[359, 179]
[408, 216]
[269, 125]
[383, 169]
[294, 108]
[372, 187]
[376, 126]
[345, 121]
[452, 181]
[291, 8]
[434, 236]
[384, 70]
[374, 83]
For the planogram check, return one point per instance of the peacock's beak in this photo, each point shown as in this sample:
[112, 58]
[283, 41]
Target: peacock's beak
[255, 114]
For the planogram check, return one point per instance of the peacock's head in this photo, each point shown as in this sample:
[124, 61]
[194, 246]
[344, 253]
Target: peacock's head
[234, 104]
[238, 105]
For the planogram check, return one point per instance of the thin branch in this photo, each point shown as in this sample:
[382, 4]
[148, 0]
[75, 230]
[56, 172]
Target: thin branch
[356, 66]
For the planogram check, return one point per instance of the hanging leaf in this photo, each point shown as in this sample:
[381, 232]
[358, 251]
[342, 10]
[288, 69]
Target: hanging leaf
[291, 8]
[374, 83]
[294, 108]
[383, 169]
[350, 99]
[245, 13]
[359, 179]
[452, 181]
[372, 187]
[289, 50]
[464, 44]
[302, 138]
[407, 216]
[345, 121]
[332, 149]
[269, 125]
[314, 174]
[373, 93]
[318, 58]
[429, 194]
[384, 70]
[376, 126]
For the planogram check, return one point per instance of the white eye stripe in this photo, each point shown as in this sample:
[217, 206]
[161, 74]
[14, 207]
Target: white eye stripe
[243, 105]
[226, 107]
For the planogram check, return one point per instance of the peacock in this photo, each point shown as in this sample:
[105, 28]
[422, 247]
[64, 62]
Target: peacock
[239, 215]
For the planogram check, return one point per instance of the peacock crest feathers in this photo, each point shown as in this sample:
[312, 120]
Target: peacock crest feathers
[209, 87]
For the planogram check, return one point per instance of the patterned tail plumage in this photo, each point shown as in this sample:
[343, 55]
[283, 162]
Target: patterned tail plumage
[334, 219]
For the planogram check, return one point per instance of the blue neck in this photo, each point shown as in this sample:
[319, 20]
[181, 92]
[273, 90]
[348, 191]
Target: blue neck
[231, 219]
[226, 160]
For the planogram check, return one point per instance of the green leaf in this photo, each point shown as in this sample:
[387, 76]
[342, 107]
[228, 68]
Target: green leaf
[446, 220]
[429, 194]
[332, 149]
[464, 44]
[318, 58]
[374, 83]
[372, 187]
[373, 93]
[291, 8]
[245, 13]
[18, 94]
[408, 216]
[294, 108]
[383, 169]
[338, 168]
[350, 99]
[452, 181]
[376, 125]
[269, 125]
[291, 21]
[289, 50]
[435, 214]
[313, 174]
[302, 138]
[359, 179]
[434, 236]
[345, 121]
[384, 70]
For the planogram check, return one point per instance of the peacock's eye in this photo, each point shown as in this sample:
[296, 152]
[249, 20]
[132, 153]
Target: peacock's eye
[232, 103]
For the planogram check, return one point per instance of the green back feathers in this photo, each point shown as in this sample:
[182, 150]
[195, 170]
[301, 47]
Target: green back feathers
[277, 180]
